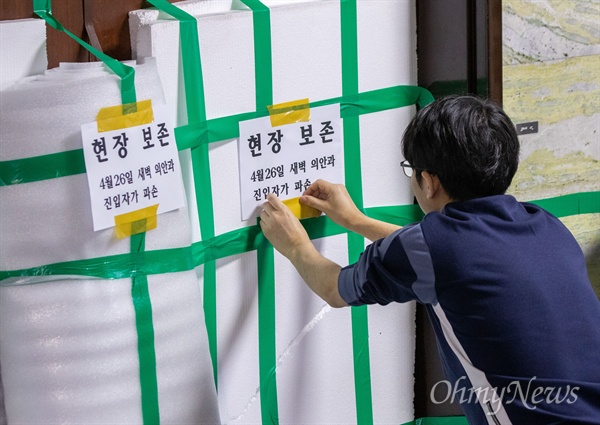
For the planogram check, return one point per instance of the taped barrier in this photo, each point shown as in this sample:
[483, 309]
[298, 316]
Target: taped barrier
[243, 240]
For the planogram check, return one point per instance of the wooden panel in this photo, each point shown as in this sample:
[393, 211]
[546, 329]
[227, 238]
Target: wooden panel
[111, 24]
[60, 47]
[495, 49]
[108, 19]
[15, 9]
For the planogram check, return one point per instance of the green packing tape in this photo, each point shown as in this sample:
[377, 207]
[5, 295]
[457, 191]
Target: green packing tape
[263, 71]
[263, 64]
[400, 215]
[146, 263]
[240, 241]
[67, 163]
[352, 165]
[196, 112]
[145, 333]
[267, 358]
[572, 204]
[45, 167]
[192, 66]
[120, 266]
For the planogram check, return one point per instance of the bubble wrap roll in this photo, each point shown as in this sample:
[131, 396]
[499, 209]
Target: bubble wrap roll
[69, 347]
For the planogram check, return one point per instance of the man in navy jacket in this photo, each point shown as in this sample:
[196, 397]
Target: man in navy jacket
[504, 283]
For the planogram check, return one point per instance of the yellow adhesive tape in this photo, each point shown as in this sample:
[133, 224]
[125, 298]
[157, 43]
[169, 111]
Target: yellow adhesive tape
[135, 222]
[289, 112]
[301, 210]
[124, 116]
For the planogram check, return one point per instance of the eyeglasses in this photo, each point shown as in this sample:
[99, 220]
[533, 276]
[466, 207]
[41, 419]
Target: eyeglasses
[409, 169]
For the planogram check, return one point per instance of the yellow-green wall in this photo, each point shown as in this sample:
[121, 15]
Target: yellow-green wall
[551, 74]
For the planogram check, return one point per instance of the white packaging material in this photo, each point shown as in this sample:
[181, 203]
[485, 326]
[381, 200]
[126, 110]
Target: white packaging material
[22, 53]
[69, 352]
[314, 375]
[22, 50]
[194, 7]
[68, 346]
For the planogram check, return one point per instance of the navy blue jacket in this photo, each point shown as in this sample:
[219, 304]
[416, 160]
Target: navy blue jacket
[506, 288]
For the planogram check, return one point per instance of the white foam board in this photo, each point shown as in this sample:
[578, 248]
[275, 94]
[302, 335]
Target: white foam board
[315, 382]
[22, 49]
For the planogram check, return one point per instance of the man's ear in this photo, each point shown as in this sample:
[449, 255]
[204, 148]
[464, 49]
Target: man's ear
[430, 184]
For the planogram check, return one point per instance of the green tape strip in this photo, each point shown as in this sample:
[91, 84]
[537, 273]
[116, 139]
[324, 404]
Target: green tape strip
[145, 333]
[263, 72]
[360, 325]
[240, 241]
[572, 204]
[400, 215]
[27, 170]
[196, 112]
[267, 359]
[121, 266]
[263, 64]
[209, 304]
[204, 204]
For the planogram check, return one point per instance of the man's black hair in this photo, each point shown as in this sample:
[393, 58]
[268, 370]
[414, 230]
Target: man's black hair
[469, 143]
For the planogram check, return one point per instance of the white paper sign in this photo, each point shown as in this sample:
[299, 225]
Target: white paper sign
[286, 159]
[132, 168]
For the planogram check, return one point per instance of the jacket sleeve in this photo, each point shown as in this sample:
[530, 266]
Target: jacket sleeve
[396, 268]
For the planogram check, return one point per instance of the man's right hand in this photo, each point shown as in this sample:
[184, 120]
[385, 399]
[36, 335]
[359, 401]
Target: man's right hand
[334, 200]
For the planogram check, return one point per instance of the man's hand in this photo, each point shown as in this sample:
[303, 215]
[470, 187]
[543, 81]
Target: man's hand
[334, 200]
[282, 228]
[288, 236]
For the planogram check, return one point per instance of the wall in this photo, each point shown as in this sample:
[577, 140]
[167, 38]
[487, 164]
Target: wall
[551, 58]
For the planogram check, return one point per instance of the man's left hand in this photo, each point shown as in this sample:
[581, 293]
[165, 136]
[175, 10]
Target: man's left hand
[282, 228]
